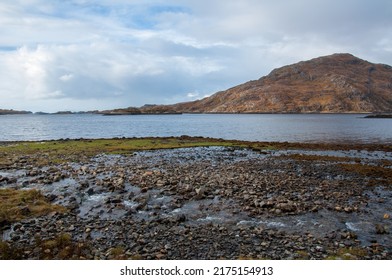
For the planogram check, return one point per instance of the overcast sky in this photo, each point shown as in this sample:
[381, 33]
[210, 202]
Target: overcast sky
[84, 54]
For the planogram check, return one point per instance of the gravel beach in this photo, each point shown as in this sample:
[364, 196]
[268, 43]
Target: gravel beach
[206, 203]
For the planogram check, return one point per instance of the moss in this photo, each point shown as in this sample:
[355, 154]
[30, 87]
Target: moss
[243, 258]
[136, 257]
[8, 252]
[16, 205]
[378, 173]
[75, 150]
[261, 147]
[351, 253]
[117, 253]
[59, 151]
[302, 157]
[302, 255]
[61, 247]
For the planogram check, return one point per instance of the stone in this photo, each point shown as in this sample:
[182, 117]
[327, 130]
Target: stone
[380, 229]
[160, 183]
[56, 178]
[51, 197]
[319, 248]
[15, 237]
[160, 256]
[17, 226]
[181, 218]
[90, 191]
[116, 200]
[348, 209]
[147, 173]
[286, 207]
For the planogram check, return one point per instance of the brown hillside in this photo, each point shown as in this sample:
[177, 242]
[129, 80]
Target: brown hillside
[336, 83]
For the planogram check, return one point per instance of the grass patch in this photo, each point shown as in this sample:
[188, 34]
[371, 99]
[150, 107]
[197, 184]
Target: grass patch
[16, 205]
[377, 172]
[62, 247]
[303, 157]
[117, 253]
[59, 151]
[352, 253]
[76, 150]
[8, 252]
[302, 255]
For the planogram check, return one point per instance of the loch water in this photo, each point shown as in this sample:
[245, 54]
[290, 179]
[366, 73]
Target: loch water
[253, 127]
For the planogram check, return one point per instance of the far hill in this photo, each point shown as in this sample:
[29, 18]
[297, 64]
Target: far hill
[13, 112]
[338, 83]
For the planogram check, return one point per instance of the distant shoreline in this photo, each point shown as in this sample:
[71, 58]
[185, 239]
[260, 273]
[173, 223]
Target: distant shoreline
[110, 113]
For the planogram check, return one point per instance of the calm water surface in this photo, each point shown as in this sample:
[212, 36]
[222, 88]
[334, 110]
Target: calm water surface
[255, 127]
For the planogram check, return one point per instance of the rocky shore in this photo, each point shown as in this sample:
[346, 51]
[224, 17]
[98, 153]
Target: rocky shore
[205, 203]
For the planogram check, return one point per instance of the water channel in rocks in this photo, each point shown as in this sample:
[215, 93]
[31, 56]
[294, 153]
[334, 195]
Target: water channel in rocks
[216, 185]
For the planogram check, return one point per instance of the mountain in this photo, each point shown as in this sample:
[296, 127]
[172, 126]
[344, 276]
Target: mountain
[338, 83]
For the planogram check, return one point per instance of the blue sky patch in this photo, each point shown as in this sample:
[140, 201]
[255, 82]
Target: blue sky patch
[8, 48]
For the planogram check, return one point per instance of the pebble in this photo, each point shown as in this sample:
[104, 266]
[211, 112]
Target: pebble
[381, 229]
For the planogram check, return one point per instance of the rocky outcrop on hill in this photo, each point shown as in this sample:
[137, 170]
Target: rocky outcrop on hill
[146, 109]
[339, 83]
[122, 111]
[158, 109]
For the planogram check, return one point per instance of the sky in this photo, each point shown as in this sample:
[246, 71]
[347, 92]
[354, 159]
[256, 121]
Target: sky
[83, 55]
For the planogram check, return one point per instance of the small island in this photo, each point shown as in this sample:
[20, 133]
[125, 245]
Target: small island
[379, 116]
[144, 110]
[13, 112]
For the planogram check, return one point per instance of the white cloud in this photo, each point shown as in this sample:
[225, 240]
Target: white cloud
[66, 77]
[193, 94]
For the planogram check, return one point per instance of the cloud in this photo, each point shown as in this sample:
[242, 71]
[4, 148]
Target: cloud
[45, 72]
[66, 77]
[106, 53]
